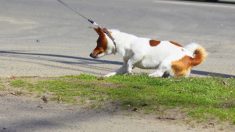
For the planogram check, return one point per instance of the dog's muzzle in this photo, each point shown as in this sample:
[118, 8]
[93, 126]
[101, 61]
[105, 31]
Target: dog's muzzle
[93, 56]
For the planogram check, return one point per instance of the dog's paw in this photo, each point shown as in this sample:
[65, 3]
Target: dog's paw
[110, 74]
[154, 75]
[157, 73]
[129, 73]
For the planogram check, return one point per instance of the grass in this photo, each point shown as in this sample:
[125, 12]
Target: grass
[201, 98]
[1, 85]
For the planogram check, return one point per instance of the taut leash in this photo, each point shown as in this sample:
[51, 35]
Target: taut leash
[91, 21]
[78, 13]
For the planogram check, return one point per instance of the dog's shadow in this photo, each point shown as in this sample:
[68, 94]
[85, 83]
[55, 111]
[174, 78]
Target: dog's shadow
[211, 1]
[62, 62]
[84, 65]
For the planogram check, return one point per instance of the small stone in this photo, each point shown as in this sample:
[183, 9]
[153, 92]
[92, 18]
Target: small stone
[134, 109]
[144, 104]
[39, 106]
[100, 78]
[224, 82]
[211, 124]
[44, 99]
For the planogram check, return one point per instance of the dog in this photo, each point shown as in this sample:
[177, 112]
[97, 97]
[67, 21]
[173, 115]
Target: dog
[168, 57]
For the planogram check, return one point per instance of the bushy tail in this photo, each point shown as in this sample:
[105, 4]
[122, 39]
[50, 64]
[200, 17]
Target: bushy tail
[199, 53]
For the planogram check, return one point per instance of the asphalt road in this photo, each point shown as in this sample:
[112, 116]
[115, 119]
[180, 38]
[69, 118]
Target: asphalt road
[19, 114]
[43, 38]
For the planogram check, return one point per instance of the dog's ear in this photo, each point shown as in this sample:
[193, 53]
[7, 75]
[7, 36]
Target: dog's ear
[99, 31]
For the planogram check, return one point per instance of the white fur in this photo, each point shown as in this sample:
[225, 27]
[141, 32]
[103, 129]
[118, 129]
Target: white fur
[137, 52]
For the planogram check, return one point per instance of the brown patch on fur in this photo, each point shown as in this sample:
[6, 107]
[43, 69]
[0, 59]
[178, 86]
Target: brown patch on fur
[175, 43]
[101, 42]
[183, 66]
[199, 56]
[97, 51]
[154, 42]
[99, 31]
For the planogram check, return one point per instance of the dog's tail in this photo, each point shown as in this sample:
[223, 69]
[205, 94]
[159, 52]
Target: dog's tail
[199, 53]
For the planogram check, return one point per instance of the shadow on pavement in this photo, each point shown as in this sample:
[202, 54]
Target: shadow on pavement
[212, 1]
[214, 74]
[82, 64]
[62, 56]
[93, 61]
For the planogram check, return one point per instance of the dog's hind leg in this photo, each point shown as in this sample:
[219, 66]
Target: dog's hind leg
[162, 70]
[157, 73]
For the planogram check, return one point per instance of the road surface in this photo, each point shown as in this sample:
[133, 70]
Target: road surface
[20, 114]
[43, 38]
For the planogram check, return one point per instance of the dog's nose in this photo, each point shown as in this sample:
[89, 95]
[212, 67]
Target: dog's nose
[92, 56]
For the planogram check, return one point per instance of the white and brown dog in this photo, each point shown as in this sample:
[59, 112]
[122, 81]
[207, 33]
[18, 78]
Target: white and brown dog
[167, 57]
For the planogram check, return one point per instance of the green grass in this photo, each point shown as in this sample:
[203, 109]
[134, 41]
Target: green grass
[1, 85]
[201, 98]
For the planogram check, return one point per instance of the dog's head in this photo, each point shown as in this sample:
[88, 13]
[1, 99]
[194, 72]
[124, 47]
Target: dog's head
[103, 46]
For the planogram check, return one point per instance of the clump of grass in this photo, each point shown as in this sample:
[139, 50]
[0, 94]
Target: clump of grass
[202, 98]
[18, 83]
[1, 85]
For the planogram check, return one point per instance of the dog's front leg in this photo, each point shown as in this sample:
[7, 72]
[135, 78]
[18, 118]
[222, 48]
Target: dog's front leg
[121, 70]
[131, 62]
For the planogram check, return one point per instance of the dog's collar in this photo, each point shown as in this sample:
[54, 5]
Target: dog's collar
[111, 37]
